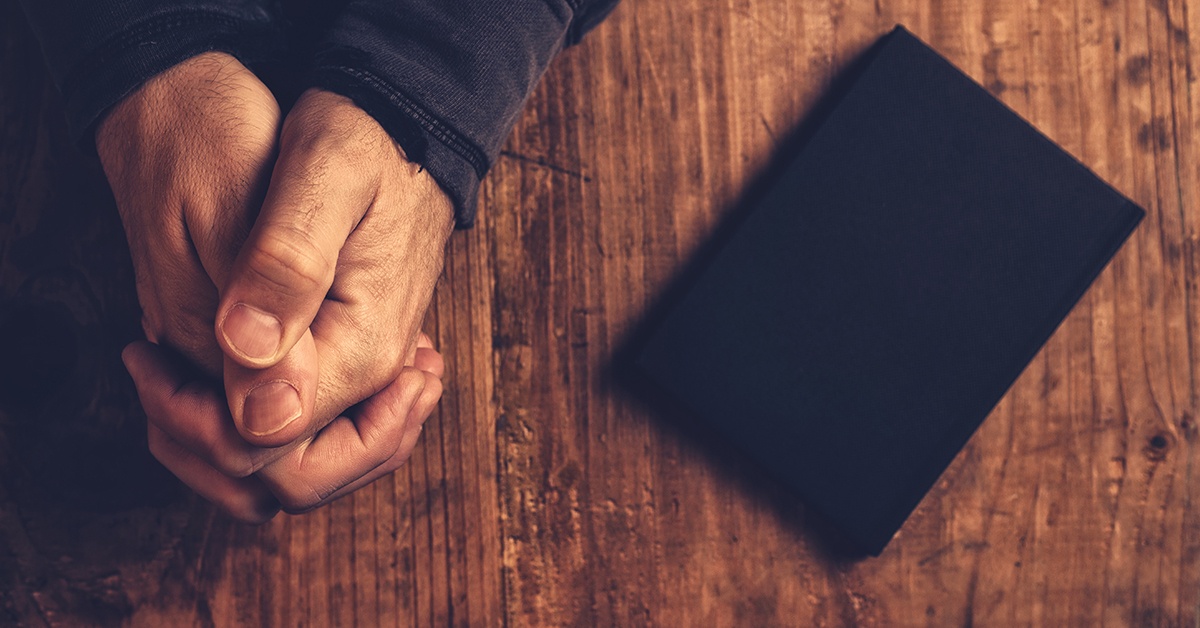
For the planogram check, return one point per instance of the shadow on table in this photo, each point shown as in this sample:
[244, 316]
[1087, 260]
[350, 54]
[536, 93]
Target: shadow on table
[626, 376]
[86, 513]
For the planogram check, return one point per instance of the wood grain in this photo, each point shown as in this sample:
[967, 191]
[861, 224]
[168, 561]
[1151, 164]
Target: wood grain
[545, 491]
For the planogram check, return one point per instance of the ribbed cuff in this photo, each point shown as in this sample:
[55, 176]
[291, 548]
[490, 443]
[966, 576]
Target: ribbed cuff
[455, 162]
[148, 48]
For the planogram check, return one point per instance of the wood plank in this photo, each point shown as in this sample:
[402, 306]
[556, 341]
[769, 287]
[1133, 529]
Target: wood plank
[545, 491]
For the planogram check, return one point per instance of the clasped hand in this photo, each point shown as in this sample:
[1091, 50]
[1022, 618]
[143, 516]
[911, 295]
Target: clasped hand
[290, 262]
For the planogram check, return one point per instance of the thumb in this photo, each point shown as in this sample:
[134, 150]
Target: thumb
[275, 406]
[286, 267]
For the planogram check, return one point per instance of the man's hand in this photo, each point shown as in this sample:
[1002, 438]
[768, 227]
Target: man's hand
[188, 157]
[320, 311]
[342, 261]
[191, 432]
[341, 264]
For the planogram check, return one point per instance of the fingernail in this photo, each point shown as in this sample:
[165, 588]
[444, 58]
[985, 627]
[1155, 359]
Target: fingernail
[252, 332]
[271, 407]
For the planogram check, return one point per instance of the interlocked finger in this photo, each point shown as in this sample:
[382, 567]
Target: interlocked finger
[246, 499]
[357, 448]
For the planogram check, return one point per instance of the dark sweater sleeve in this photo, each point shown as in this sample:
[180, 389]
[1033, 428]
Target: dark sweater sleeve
[447, 79]
[98, 51]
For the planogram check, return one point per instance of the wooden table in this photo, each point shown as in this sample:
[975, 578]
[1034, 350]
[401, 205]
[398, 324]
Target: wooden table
[543, 492]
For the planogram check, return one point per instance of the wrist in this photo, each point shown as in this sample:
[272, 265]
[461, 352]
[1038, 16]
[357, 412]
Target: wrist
[152, 107]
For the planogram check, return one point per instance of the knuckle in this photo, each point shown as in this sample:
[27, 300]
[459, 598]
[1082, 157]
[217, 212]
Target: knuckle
[357, 138]
[210, 444]
[383, 444]
[300, 498]
[227, 462]
[433, 390]
[371, 359]
[299, 494]
[393, 464]
[157, 444]
[387, 437]
[166, 409]
[290, 261]
[413, 385]
[152, 407]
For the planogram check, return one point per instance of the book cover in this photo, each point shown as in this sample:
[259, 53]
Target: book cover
[870, 312]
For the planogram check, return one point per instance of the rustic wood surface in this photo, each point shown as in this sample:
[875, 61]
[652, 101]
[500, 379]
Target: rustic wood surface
[544, 492]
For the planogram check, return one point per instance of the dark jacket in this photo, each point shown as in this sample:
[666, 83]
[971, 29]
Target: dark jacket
[446, 78]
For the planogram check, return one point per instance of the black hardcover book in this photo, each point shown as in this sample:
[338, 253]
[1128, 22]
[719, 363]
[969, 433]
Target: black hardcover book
[865, 318]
